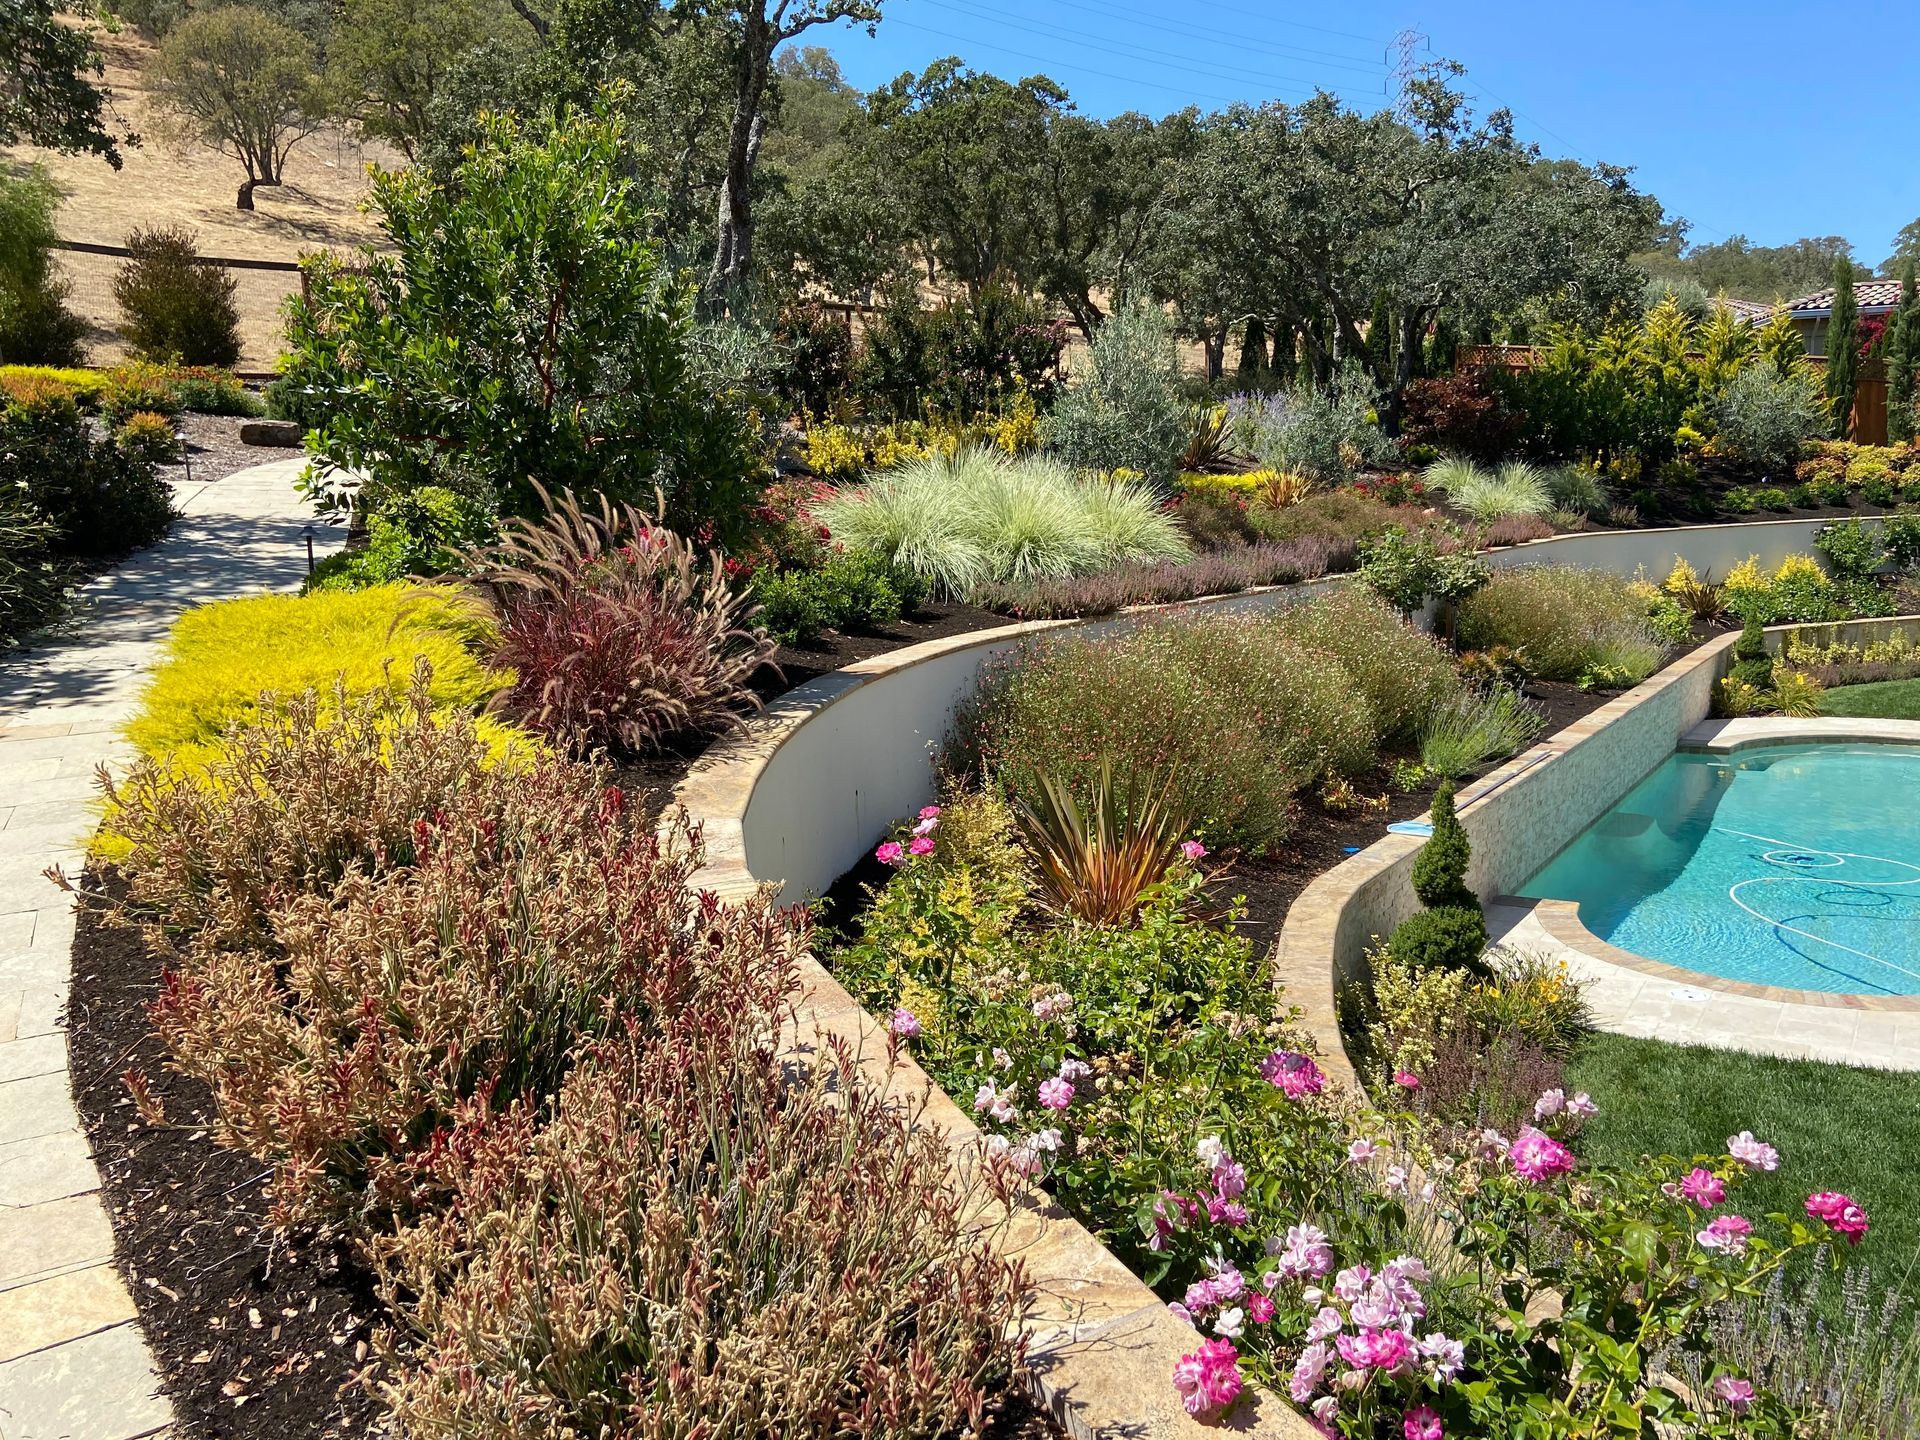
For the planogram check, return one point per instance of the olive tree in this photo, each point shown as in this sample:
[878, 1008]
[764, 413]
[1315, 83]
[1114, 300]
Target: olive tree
[244, 83]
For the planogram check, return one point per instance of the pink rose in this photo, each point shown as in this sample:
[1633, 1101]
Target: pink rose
[1055, 1094]
[1841, 1213]
[1737, 1393]
[890, 853]
[1422, 1423]
[1193, 850]
[904, 1023]
[1293, 1073]
[1208, 1380]
[921, 845]
[1703, 1188]
[1375, 1349]
[1537, 1156]
[1406, 1080]
[1727, 1232]
[1752, 1153]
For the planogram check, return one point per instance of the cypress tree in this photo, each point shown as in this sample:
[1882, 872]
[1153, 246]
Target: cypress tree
[1903, 357]
[1843, 348]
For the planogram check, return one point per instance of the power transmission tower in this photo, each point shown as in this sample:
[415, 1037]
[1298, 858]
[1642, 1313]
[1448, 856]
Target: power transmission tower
[1403, 63]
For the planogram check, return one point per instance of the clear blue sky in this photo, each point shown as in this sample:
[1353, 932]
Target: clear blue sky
[1734, 114]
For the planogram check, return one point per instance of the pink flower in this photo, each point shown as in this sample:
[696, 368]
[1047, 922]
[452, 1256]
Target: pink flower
[1727, 1232]
[1208, 1380]
[1226, 1212]
[1421, 1424]
[1055, 1094]
[904, 1023]
[1229, 1178]
[1193, 850]
[1052, 1005]
[890, 853]
[1325, 1324]
[996, 1102]
[1361, 1151]
[1406, 1080]
[929, 812]
[1375, 1349]
[1736, 1392]
[1703, 1187]
[1309, 1371]
[1841, 1213]
[1446, 1356]
[1538, 1157]
[920, 845]
[1752, 1153]
[1324, 1410]
[1550, 1103]
[1306, 1252]
[1293, 1073]
[927, 826]
[1581, 1106]
[1074, 1070]
[1260, 1308]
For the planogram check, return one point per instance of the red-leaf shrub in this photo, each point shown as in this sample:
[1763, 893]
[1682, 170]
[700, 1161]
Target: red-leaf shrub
[618, 632]
[1460, 414]
[698, 1244]
[382, 970]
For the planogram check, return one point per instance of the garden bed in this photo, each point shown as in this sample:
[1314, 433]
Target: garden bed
[214, 450]
[256, 1333]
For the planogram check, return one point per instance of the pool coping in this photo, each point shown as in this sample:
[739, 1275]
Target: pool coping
[1561, 918]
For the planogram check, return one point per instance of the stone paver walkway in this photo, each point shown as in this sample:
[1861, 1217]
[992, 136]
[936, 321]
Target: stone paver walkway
[73, 1364]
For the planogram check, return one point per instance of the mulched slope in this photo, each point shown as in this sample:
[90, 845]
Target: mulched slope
[255, 1335]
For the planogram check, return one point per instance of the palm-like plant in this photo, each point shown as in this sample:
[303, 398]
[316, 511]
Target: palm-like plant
[1100, 864]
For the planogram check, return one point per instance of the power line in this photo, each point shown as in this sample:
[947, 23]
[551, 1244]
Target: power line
[1054, 63]
[1134, 53]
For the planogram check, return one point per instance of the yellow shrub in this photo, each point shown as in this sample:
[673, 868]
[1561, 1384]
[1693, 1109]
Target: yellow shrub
[1795, 694]
[1016, 430]
[1802, 568]
[1746, 579]
[1245, 484]
[834, 452]
[221, 657]
[1682, 579]
[85, 385]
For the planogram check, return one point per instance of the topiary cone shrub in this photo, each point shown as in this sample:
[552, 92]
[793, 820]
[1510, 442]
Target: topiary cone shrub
[1752, 664]
[1450, 932]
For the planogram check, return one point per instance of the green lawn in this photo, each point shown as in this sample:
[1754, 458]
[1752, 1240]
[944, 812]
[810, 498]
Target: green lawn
[1882, 700]
[1836, 1128]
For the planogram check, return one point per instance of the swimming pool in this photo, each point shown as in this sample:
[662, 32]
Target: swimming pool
[1792, 865]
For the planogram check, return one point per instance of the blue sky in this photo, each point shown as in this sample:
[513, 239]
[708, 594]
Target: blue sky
[1732, 113]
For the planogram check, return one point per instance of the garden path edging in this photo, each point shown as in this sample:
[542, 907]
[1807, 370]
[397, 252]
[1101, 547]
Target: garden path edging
[73, 1363]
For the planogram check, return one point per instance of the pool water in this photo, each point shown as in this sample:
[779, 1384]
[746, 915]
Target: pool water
[1793, 865]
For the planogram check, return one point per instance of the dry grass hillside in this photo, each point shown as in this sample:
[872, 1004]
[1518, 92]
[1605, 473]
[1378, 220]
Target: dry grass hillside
[168, 183]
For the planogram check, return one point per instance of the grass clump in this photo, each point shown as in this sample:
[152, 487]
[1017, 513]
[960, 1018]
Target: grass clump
[1245, 710]
[1569, 623]
[979, 516]
[1472, 728]
[1514, 488]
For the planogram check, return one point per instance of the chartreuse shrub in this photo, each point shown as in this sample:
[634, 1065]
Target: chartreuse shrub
[221, 658]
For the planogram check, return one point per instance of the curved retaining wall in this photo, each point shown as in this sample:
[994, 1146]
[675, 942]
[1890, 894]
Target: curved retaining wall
[800, 797]
[813, 783]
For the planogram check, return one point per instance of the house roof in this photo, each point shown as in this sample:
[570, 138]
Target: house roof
[1751, 311]
[1869, 295]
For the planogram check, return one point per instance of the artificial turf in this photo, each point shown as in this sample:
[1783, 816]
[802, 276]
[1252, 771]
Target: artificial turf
[1836, 1128]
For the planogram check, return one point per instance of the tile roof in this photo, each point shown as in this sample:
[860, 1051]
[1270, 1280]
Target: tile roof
[1867, 294]
[1751, 311]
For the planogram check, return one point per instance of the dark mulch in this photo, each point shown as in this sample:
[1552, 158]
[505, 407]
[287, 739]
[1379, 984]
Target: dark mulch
[256, 1334]
[214, 450]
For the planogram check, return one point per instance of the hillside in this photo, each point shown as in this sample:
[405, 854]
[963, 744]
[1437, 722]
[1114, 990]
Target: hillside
[166, 183]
